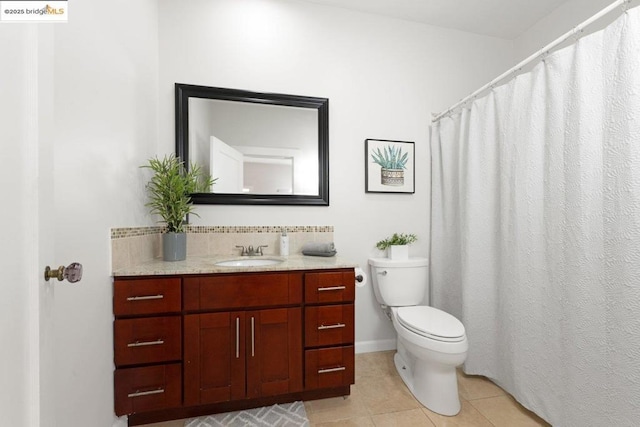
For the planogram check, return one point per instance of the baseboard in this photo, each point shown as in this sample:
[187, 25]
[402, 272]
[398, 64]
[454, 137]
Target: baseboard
[371, 346]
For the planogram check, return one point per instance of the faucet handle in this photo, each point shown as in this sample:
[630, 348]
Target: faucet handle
[244, 250]
[259, 251]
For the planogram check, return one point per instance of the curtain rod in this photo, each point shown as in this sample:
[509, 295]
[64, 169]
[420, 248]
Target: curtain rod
[542, 52]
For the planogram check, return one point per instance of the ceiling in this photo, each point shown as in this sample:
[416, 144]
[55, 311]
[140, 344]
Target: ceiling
[499, 18]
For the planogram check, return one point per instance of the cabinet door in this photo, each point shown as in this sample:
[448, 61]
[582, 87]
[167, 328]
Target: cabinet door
[214, 357]
[274, 351]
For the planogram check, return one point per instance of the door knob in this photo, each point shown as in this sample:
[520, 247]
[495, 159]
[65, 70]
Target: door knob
[73, 273]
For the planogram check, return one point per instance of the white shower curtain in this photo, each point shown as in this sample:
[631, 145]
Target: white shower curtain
[536, 230]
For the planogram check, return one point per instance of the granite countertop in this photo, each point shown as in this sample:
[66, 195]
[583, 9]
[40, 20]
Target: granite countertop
[206, 265]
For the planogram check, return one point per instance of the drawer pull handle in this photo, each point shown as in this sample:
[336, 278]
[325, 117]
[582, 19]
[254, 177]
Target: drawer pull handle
[337, 325]
[145, 297]
[145, 343]
[146, 393]
[332, 288]
[326, 371]
[237, 338]
[253, 337]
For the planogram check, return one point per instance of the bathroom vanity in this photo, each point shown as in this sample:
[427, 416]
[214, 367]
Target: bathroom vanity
[192, 338]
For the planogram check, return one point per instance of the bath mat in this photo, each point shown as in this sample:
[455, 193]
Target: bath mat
[285, 415]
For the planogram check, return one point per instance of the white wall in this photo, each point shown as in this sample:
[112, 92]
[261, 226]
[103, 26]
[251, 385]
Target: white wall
[105, 108]
[383, 78]
[557, 23]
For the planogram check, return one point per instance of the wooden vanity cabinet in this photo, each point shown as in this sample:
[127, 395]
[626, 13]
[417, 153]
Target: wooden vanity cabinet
[245, 340]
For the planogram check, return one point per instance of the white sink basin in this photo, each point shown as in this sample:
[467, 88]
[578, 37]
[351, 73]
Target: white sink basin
[251, 262]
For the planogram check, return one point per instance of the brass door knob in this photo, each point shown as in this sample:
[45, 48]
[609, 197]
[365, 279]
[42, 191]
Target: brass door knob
[73, 273]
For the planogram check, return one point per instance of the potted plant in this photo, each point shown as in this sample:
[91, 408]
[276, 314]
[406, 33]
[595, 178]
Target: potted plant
[170, 190]
[393, 163]
[397, 245]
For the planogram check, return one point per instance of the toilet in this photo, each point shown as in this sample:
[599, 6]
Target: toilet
[431, 343]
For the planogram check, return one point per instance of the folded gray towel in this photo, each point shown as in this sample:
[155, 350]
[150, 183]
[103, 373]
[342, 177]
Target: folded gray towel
[325, 254]
[318, 247]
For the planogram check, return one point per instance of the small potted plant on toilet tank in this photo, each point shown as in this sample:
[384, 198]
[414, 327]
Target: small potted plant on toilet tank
[397, 246]
[170, 190]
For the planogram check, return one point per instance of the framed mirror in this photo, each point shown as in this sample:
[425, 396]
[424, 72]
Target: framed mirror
[262, 148]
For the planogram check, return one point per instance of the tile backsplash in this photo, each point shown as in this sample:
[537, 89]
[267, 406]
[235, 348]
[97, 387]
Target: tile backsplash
[134, 245]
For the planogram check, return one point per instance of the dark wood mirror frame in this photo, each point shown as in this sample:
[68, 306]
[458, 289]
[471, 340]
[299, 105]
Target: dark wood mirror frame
[185, 91]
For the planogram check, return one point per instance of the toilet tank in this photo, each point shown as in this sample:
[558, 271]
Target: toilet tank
[400, 283]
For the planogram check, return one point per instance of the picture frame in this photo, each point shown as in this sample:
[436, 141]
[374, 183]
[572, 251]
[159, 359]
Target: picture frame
[389, 166]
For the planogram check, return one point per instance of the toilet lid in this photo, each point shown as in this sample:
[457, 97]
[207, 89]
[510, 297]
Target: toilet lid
[431, 323]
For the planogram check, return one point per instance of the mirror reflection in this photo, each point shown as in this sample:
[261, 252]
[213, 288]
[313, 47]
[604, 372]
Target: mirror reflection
[255, 148]
[263, 148]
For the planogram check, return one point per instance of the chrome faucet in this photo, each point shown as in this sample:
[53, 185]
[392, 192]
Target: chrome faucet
[250, 251]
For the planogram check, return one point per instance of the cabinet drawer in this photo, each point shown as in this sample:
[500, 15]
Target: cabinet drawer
[147, 389]
[227, 291]
[147, 340]
[133, 297]
[329, 367]
[329, 325]
[326, 287]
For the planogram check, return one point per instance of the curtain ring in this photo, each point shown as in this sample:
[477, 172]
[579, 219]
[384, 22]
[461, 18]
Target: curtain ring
[625, 6]
[577, 32]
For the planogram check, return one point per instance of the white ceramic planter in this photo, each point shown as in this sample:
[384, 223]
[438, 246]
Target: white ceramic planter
[398, 252]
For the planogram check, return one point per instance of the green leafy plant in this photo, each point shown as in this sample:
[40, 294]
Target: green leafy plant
[396, 239]
[170, 190]
[390, 157]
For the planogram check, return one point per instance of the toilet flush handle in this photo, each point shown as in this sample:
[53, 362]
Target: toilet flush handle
[382, 273]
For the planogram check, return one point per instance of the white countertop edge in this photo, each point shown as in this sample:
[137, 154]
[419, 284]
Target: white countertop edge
[206, 265]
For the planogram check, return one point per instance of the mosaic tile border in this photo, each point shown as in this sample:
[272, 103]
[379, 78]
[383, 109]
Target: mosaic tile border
[123, 232]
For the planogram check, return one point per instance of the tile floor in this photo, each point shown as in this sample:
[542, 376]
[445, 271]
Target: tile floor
[379, 398]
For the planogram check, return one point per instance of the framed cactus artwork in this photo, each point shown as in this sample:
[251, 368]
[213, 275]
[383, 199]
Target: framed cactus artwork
[389, 166]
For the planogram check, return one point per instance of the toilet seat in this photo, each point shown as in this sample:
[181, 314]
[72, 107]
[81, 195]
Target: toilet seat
[429, 322]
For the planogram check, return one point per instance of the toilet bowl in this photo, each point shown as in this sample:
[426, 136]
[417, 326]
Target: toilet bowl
[431, 343]
[427, 363]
